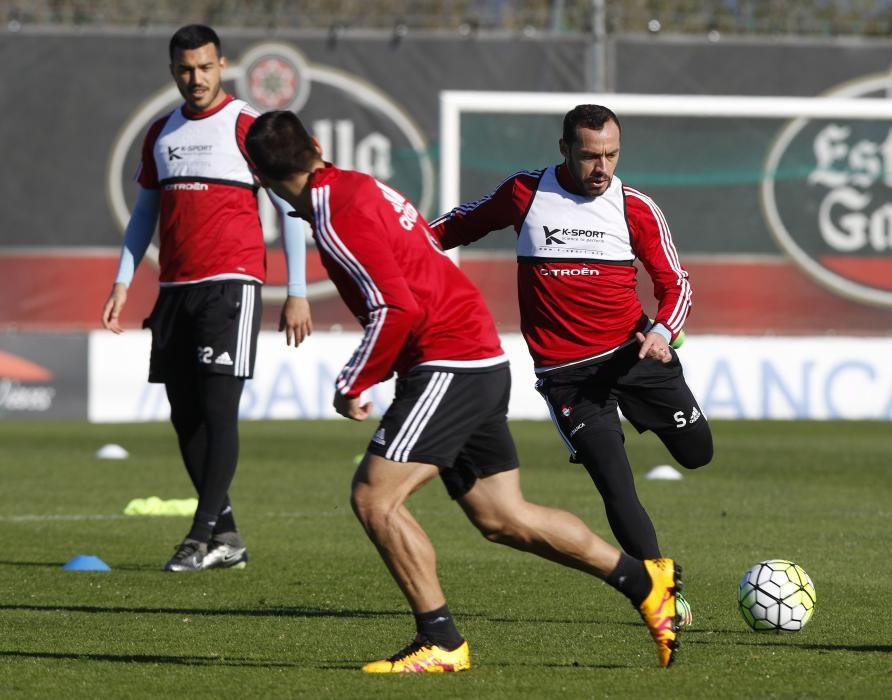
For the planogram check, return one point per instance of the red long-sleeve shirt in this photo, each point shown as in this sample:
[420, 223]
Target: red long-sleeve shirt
[576, 277]
[416, 307]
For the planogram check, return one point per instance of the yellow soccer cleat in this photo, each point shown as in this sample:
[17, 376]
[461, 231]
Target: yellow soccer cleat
[422, 656]
[659, 609]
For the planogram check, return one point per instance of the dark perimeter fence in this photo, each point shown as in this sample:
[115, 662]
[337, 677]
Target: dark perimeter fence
[818, 18]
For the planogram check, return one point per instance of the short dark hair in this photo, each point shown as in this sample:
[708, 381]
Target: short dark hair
[279, 145]
[589, 117]
[193, 36]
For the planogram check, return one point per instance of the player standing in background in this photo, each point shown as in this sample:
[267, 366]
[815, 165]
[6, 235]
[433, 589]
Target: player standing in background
[205, 323]
[579, 230]
[424, 321]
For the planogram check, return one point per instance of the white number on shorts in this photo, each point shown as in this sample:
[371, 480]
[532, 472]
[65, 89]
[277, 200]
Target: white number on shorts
[680, 420]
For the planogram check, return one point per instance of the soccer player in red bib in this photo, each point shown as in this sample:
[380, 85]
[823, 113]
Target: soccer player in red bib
[426, 323]
[579, 230]
[195, 182]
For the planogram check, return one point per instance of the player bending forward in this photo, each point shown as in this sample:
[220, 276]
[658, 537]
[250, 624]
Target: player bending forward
[426, 322]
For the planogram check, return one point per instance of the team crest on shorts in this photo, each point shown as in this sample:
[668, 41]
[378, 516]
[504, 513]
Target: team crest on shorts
[566, 411]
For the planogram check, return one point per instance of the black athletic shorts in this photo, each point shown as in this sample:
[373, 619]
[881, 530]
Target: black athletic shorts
[455, 420]
[652, 396]
[209, 327]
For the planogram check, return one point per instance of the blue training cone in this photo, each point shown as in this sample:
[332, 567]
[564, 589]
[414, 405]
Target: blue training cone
[86, 562]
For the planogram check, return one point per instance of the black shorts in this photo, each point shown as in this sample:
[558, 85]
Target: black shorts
[455, 420]
[210, 328]
[651, 395]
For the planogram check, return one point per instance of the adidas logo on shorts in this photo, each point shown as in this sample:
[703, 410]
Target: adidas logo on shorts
[378, 437]
[223, 359]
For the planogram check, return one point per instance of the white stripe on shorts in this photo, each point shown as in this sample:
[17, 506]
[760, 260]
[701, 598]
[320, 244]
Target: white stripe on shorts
[420, 415]
[245, 323]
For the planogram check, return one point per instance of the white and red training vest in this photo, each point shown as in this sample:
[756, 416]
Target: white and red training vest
[209, 226]
[576, 278]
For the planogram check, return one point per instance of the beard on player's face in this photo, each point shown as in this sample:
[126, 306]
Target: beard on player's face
[590, 181]
[198, 74]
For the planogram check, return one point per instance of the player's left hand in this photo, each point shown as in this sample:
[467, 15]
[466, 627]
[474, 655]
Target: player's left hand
[295, 320]
[351, 408]
[654, 345]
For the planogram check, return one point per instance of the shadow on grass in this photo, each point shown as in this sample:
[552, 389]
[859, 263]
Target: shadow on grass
[149, 659]
[237, 662]
[353, 665]
[44, 564]
[859, 648]
[776, 639]
[573, 664]
[60, 564]
[277, 611]
[280, 611]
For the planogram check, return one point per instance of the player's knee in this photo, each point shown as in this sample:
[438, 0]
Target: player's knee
[365, 505]
[185, 418]
[487, 525]
[692, 449]
[499, 536]
[374, 520]
[498, 529]
[603, 454]
[694, 456]
[374, 508]
[700, 457]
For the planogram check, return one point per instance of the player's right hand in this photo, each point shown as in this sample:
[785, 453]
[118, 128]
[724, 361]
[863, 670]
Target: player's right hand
[111, 312]
[351, 407]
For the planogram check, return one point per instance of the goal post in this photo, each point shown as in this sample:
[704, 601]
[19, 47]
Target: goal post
[807, 179]
[456, 103]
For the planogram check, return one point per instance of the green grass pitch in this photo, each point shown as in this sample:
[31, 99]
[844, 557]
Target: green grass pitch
[315, 601]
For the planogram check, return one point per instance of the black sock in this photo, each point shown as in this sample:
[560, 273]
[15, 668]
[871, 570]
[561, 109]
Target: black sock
[437, 626]
[630, 578]
[202, 527]
[226, 521]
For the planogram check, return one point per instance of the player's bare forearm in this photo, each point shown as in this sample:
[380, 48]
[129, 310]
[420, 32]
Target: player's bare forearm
[296, 320]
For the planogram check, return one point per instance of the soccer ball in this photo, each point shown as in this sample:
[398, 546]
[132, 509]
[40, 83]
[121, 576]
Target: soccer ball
[776, 594]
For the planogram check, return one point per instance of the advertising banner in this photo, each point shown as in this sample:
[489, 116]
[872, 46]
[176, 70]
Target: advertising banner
[43, 376]
[790, 378]
[783, 224]
[288, 382]
[732, 377]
